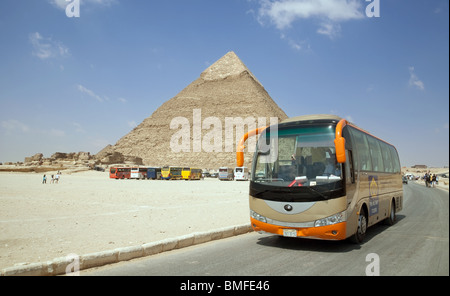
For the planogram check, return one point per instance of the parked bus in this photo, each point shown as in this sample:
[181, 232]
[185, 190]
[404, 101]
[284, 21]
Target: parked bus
[119, 173]
[191, 173]
[329, 179]
[138, 173]
[171, 173]
[226, 173]
[154, 173]
[241, 173]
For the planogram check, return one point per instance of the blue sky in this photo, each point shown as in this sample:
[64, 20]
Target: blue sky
[80, 83]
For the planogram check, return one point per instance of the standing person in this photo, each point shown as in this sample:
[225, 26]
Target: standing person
[52, 180]
[44, 179]
[433, 180]
[57, 177]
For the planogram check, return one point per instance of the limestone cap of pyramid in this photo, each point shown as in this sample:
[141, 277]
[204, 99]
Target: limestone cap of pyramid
[228, 65]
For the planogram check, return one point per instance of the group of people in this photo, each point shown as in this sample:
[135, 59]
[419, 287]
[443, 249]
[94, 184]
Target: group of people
[54, 178]
[431, 180]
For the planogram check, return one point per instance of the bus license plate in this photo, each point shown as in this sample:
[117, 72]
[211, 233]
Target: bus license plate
[290, 232]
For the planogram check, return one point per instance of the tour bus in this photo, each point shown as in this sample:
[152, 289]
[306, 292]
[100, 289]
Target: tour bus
[171, 173]
[119, 173]
[138, 173]
[241, 174]
[154, 173]
[196, 174]
[226, 173]
[191, 173]
[320, 176]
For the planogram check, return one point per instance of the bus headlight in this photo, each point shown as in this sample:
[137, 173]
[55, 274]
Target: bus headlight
[257, 216]
[334, 219]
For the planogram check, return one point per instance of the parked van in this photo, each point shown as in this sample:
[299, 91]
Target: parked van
[241, 174]
[226, 173]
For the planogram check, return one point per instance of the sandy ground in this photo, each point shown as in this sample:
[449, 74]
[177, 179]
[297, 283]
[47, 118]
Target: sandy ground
[87, 212]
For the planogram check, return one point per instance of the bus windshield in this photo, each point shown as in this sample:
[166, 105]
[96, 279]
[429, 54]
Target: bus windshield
[305, 158]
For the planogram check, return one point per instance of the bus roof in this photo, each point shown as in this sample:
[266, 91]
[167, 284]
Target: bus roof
[313, 117]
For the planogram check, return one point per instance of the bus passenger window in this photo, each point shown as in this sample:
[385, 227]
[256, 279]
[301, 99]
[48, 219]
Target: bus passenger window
[349, 170]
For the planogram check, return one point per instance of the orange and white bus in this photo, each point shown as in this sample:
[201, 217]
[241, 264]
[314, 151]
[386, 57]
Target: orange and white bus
[119, 173]
[191, 173]
[325, 178]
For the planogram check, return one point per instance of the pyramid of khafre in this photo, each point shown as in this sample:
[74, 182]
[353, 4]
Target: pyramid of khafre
[199, 126]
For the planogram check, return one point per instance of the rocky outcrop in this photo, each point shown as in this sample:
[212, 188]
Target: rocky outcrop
[108, 156]
[35, 158]
[81, 159]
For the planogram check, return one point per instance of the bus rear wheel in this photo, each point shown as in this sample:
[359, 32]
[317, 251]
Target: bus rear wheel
[360, 234]
[392, 216]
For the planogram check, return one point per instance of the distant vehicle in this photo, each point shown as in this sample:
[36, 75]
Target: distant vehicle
[226, 173]
[154, 173]
[241, 173]
[191, 173]
[99, 169]
[119, 173]
[138, 173]
[171, 173]
[405, 180]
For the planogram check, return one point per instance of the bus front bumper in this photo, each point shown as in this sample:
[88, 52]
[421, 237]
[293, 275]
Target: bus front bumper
[330, 232]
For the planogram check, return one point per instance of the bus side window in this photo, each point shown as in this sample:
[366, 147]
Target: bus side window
[396, 161]
[349, 163]
[387, 159]
[376, 154]
[363, 159]
[349, 170]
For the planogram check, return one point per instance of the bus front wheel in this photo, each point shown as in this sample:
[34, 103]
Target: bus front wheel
[360, 234]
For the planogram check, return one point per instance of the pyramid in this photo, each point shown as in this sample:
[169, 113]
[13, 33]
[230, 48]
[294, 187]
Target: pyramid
[225, 90]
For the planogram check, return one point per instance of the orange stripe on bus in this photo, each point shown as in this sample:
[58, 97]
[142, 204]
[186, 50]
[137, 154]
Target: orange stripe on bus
[330, 232]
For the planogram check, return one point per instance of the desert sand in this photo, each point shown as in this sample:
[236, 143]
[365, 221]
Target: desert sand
[87, 212]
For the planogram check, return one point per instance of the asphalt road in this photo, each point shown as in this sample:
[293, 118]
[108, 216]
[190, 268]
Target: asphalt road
[418, 244]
